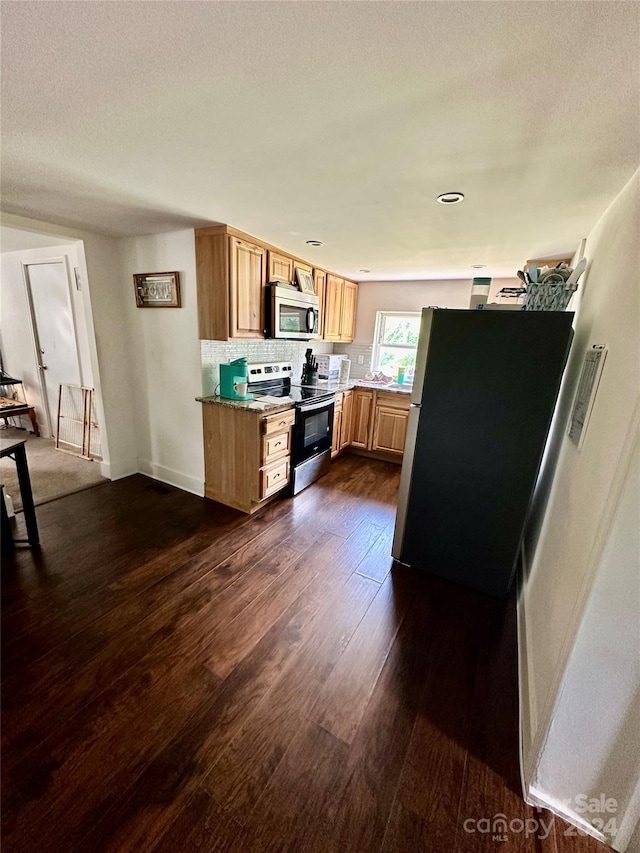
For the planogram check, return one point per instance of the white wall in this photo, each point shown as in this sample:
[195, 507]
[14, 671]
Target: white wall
[577, 544]
[376, 296]
[600, 699]
[165, 366]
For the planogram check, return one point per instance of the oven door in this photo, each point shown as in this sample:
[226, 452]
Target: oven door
[293, 316]
[313, 430]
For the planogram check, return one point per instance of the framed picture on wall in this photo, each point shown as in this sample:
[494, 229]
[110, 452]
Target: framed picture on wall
[305, 281]
[157, 289]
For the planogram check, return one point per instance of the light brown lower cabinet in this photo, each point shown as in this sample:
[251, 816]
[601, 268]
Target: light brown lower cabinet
[337, 427]
[362, 413]
[346, 423]
[389, 429]
[342, 422]
[379, 421]
[247, 455]
[336, 436]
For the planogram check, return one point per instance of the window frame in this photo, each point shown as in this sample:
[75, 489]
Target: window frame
[378, 338]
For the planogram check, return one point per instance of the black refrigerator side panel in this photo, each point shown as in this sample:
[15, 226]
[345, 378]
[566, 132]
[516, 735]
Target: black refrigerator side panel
[490, 388]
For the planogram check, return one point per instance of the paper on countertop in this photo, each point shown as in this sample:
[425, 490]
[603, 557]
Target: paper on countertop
[267, 398]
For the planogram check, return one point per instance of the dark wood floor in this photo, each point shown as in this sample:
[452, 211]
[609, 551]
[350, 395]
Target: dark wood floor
[178, 677]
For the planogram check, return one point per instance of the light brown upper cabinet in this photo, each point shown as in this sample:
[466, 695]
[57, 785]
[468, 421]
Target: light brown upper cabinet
[333, 307]
[340, 309]
[348, 311]
[320, 284]
[281, 268]
[247, 289]
[232, 271]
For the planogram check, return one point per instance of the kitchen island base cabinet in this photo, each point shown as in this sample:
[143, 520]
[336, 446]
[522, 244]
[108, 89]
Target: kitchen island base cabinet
[246, 455]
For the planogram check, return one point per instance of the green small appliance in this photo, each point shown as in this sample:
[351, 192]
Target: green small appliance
[234, 378]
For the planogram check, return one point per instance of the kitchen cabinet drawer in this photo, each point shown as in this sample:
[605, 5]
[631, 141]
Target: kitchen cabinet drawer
[279, 422]
[392, 400]
[275, 446]
[273, 478]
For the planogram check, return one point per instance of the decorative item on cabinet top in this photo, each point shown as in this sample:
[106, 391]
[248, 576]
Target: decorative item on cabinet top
[305, 281]
[157, 290]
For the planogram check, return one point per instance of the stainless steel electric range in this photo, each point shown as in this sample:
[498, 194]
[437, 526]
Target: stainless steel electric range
[313, 428]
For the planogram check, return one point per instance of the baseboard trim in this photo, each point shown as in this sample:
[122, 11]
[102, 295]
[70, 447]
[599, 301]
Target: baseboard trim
[526, 720]
[380, 455]
[171, 477]
[119, 470]
[538, 799]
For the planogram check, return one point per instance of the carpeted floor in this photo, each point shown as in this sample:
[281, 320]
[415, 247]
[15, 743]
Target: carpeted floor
[53, 473]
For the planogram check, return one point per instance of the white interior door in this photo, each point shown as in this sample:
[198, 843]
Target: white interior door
[55, 336]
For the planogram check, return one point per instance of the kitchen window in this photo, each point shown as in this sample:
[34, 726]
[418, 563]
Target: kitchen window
[396, 343]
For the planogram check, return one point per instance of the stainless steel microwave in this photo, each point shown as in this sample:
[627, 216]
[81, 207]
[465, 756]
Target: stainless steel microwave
[291, 314]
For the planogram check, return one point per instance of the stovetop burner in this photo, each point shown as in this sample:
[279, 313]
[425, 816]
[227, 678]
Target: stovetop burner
[298, 393]
[274, 380]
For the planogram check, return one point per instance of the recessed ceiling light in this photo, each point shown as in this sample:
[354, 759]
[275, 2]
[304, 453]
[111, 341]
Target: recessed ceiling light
[450, 198]
[314, 242]
[478, 266]
[365, 270]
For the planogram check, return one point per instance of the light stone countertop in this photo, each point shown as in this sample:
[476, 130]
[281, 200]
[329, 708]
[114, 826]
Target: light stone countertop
[362, 383]
[336, 387]
[248, 405]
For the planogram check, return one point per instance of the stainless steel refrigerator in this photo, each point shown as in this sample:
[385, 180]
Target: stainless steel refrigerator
[485, 389]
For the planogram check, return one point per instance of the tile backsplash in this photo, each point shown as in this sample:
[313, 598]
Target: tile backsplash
[213, 353]
[352, 351]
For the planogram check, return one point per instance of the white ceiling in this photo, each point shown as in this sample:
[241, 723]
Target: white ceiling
[325, 120]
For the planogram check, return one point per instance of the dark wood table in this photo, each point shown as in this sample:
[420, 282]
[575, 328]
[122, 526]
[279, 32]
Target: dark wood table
[15, 409]
[15, 448]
